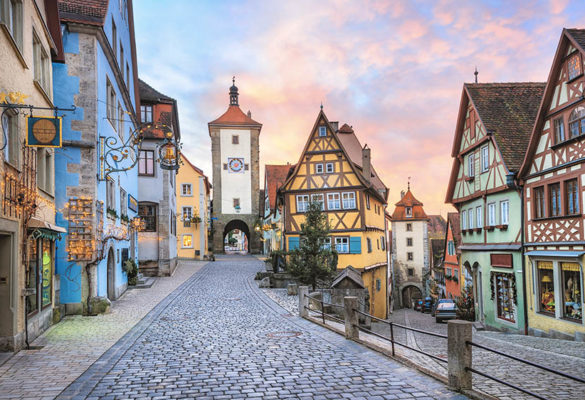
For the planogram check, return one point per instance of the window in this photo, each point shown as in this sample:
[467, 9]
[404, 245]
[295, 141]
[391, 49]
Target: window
[10, 129]
[471, 165]
[577, 122]
[368, 201]
[120, 121]
[236, 203]
[318, 198]
[110, 102]
[378, 244]
[329, 168]
[318, 168]
[470, 218]
[110, 194]
[333, 202]
[225, 166]
[378, 285]
[383, 242]
[11, 17]
[128, 76]
[448, 272]
[121, 58]
[302, 202]
[146, 163]
[571, 280]
[409, 242]
[539, 202]
[235, 139]
[546, 287]
[463, 219]
[187, 213]
[348, 200]
[41, 65]
[574, 67]
[485, 158]
[39, 274]
[342, 244]
[555, 199]
[146, 114]
[45, 170]
[491, 214]
[186, 189]
[147, 212]
[456, 272]
[409, 212]
[504, 296]
[410, 270]
[187, 241]
[450, 248]
[479, 216]
[409, 257]
[572, 196]
[409, 227]
[322, 131]
[369, 242]
[173, 223]
[123, 202]
[559, 130]
[114, 39]
[504, 212]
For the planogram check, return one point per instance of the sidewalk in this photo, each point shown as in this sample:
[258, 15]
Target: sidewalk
[75, 343]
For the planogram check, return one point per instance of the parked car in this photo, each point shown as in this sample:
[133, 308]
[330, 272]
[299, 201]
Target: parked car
[439, 302]
[427, 305]
[446, 311]
[418, 305]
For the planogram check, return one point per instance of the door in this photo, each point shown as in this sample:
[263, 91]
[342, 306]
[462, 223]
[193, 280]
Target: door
[478, 293]
[6, 303]
[111, 275]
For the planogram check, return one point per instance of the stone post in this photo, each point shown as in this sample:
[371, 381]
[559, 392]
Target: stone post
[350, 305]
[459, 354]
[303, 301]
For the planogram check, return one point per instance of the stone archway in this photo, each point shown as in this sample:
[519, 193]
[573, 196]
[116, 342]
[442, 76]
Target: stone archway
[111, 274]
[241, 226]
[409, 293]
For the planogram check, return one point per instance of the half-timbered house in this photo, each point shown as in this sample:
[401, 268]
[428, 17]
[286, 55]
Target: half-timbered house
[553, 173]
[491, 137]
[335, 170]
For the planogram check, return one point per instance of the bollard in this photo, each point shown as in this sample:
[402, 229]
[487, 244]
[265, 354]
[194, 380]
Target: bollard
[459, 354]
[303, 301]
[352, 330]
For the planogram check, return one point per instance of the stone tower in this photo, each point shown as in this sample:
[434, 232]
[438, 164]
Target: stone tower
[235, 153]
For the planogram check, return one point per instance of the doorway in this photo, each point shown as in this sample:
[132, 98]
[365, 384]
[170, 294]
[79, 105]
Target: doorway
[6, 303]
[111, 275]
[236, 237]
[478, 292]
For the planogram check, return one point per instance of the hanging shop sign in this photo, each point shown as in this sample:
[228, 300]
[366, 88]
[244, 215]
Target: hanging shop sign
[43, 131]
[132, 203]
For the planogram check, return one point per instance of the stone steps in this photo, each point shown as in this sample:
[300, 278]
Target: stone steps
[143, 282]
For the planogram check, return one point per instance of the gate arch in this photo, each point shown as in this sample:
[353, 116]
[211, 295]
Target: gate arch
[241, 226]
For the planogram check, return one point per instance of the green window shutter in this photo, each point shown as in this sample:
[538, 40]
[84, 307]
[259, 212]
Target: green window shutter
[293, 243]
[355, 245]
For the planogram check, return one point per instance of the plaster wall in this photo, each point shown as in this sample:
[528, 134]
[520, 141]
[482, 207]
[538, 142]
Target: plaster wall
[236, 185]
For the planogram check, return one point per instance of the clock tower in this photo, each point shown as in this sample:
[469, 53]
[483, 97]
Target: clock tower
[235, 153]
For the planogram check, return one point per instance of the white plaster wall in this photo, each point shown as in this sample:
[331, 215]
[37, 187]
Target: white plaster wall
[236, 185]
[400, 233]
[148, 246]
[150, 188]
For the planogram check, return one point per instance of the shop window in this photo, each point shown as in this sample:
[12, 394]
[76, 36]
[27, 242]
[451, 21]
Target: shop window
[571, 278]
[504, 296]
[40, 274]
[546, 287]
[147, 212]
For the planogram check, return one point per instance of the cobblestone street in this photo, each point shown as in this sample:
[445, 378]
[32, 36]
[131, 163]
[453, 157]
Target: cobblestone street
[219, 336]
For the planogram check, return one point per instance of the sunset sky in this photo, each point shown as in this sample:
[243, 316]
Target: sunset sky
[393, 70]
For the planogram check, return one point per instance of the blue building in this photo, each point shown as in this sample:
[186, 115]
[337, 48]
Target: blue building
[96, 206]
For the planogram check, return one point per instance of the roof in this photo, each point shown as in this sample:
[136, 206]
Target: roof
[454, 223]
[234, 116]
[350, 273]
[149, 94]
[92, 12]
[438, 249]
[275, 176]
[408, 200]
[199, 171]
[508, 111]
[437, 226]
[578, 36]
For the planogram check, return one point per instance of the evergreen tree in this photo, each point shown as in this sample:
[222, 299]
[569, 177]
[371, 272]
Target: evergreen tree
[313, 262]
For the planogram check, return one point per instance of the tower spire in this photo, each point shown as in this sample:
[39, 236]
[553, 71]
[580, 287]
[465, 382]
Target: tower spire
[476, 73]
[234, 93]
[409, 183]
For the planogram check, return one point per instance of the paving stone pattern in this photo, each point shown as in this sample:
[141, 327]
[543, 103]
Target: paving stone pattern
[220, 337]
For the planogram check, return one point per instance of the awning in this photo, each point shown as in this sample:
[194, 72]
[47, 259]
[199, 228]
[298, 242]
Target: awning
[555, 253]
[45, 230]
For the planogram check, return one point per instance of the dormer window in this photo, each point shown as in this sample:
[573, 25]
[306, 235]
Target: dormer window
[408, 212]
[574, 66]
[322, 131]
[577, 122]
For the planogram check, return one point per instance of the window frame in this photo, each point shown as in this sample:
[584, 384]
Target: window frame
[369, 244]
[409, 227]
[463, 219]
[577, 116]
[110, 193]
[539, 202]
[183, 236]
[300, 200]
[235, 139]
[337, 245]
[574, 56]
[471, 165]
[479, 216]
[409, 242]
[12, 18]
[492, 219]
[410, 257]
[505, 206]
[331, 198]
[352, 198]
[185, 193]
[146, 162]
[470, 218]
[319, 169]
[149, 219]
[560, 134]
[322, 131]
[123, 202]
[572, 197]
[485, 158]
[329, 168]
[554, 199]
[321, 200]
[146, 111]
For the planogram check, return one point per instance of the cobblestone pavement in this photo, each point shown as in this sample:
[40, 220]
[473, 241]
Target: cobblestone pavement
[562, 355]
[75, 343]
[220, 337]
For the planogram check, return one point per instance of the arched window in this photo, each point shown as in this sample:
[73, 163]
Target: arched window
[577, 121]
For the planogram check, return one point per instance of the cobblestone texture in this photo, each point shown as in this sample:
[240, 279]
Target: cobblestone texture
[220, 337]
[75, 343]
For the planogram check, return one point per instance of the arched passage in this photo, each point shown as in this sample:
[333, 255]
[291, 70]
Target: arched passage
[236, 237]
[410, 294]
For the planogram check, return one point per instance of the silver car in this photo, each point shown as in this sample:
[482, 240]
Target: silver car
[446, 311]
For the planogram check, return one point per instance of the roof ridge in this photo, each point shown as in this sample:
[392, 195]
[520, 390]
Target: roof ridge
[162, 95]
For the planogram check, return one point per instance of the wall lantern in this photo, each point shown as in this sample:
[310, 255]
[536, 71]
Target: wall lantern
[169, 151]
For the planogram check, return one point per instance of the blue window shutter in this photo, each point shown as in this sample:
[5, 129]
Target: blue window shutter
[293, 243]
[355, 245]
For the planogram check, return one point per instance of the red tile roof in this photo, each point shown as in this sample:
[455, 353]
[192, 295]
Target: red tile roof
[92, 12]
[275, 178]
[408, 200]
[199, 171]
[234, 116]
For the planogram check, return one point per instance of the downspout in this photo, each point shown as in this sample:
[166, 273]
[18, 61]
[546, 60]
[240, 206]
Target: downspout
[524, 289]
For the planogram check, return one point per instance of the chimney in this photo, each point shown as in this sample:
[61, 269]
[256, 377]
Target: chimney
[334, 125]
[249, 114]
[366, 166]
[401, 194]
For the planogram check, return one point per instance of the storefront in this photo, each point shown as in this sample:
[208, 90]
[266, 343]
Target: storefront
[556, 298]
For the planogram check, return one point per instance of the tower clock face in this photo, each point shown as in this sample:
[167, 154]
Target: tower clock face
[236, 164]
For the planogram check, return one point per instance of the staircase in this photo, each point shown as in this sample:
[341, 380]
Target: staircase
[143, 282]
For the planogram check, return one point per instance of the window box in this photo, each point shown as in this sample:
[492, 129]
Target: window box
[478, 230]
[464, 231]
[469, 178]
[490, 228]
[111, 213]
[503, 227]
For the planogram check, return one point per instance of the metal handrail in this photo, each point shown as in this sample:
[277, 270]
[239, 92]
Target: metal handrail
[402, 326]
[506, 383]
[323, 303]
[532, 364]
[325, 314]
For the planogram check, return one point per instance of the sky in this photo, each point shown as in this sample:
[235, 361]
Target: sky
[394, 70]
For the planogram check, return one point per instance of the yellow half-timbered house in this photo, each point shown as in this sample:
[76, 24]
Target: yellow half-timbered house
[336, 170]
